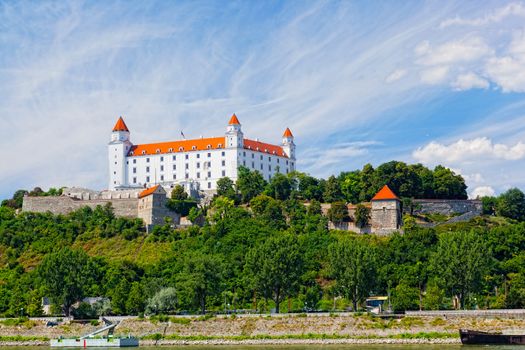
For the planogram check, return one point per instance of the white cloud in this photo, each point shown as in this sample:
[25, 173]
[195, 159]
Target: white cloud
[477, 149]
[469, 81]
[482, 191]
[396, 75]
[507, 72]
[435, 75]
[512, 9]
[466, 50]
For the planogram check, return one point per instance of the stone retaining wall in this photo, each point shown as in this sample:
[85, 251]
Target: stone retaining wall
[447, 206]
[64, 205]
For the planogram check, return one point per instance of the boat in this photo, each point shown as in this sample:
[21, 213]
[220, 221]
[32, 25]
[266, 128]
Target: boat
[489, 338]
[93, 340]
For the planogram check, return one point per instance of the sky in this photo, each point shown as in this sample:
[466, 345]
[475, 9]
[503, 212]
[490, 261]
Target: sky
[431, 82]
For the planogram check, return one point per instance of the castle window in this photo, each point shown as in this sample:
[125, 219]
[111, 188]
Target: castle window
[134, 170]
[266, 150]
[187, 166]
[147, 169]
[287, 171]
[223, 163]
[174, 177]
[261, 167]
[256, 148]
[249, 147]
[157, 151]
[273, 152]
[193, 148]
[261, 157]
[174, 157]
[198, 155]
[134, 161]
[131, 153]
[198, 165]
[115, 163]
[253, 155]
[244, 153]
[253, 165]
[181, 149]
[147, 178]
[143, 152]
[187, 156]
[187, 176]
[198, 175]
[162, 168]
[219, 145]
[209, 173]
[174, 167]
[223, 173]
[243, 163]
[127, 161]
[161, 159]
[209, 155]
[134, 180]
[170, 150]
[209, 184]
[269, 159]
[162, 178]
[269, 168]
[147, 160]
[286, 162]
[114, 173]
[208, 147]
[223, 154]
[277, 160]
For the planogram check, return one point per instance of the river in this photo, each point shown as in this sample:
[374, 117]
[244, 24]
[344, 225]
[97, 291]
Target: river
[311, 347]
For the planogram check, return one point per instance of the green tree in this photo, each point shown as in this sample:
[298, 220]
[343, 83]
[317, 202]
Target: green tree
[489, 205]
[249, 183]
[136, 299]
[338, 212]
[275, 267]
[353, 266]
[332, 191]
[178, 193]
[511, 204]
[362, 215]
[461, 260]
[405, 297]
[200, 278]
[65, 275]
[351, 185]
[225, 188]
[279, 187]
[448, 185]
[163, 302]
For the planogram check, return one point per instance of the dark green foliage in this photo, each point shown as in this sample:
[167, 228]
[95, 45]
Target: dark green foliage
[280, 187]
[249, 184]
[362, 215]
[226, 188]
[338, 212]
[178, 193]
[275, 267]
[180, 206]
[511, 204]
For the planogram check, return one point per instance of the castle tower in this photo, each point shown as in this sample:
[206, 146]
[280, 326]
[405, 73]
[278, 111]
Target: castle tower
[386, 212]
[118, 149]
[234, 136]
[288, 144]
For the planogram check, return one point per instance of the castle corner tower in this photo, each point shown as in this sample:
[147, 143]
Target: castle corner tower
[288, 144]
[118, 149]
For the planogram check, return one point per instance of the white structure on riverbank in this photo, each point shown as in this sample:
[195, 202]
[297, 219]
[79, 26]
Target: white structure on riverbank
[196, 164]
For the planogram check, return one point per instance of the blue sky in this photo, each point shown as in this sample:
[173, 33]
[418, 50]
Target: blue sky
[436, 82]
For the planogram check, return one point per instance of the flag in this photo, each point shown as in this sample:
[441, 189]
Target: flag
[182, 135]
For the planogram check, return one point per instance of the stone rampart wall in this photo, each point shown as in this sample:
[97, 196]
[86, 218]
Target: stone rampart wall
[446, 206]
[64, 205]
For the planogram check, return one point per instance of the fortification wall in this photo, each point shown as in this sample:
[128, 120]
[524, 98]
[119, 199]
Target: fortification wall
[447, 206]
[64, 205]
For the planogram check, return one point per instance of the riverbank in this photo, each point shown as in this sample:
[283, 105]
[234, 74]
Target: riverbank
[266, 329]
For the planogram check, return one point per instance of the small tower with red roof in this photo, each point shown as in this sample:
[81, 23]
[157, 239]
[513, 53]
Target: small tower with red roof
[118, 149]
[288, 144]
[234, 135]
[386, 212]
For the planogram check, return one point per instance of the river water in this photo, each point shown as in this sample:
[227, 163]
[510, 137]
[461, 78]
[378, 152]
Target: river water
[313, 347]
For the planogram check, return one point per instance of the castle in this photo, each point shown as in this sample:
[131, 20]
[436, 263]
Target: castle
[195, 164]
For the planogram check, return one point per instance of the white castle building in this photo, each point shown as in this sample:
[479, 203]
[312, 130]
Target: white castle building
[196, 164]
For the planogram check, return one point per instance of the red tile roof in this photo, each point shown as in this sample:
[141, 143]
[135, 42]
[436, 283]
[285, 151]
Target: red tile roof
[120, 125]
[287, 133]
[234, 120]
[201, 145]
[178, 146]
[264, 147]
[384, 194]
[148, 191]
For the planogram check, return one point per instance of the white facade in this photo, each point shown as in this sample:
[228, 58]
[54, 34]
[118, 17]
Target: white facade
[195, 164]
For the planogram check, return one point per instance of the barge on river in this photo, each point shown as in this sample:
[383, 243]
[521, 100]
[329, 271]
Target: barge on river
[490, 338]
[92, 340]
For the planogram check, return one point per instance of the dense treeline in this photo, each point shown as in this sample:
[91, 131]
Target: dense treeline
[273, 254]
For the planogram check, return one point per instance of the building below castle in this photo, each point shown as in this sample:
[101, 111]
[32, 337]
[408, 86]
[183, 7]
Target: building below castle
[195, 164]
